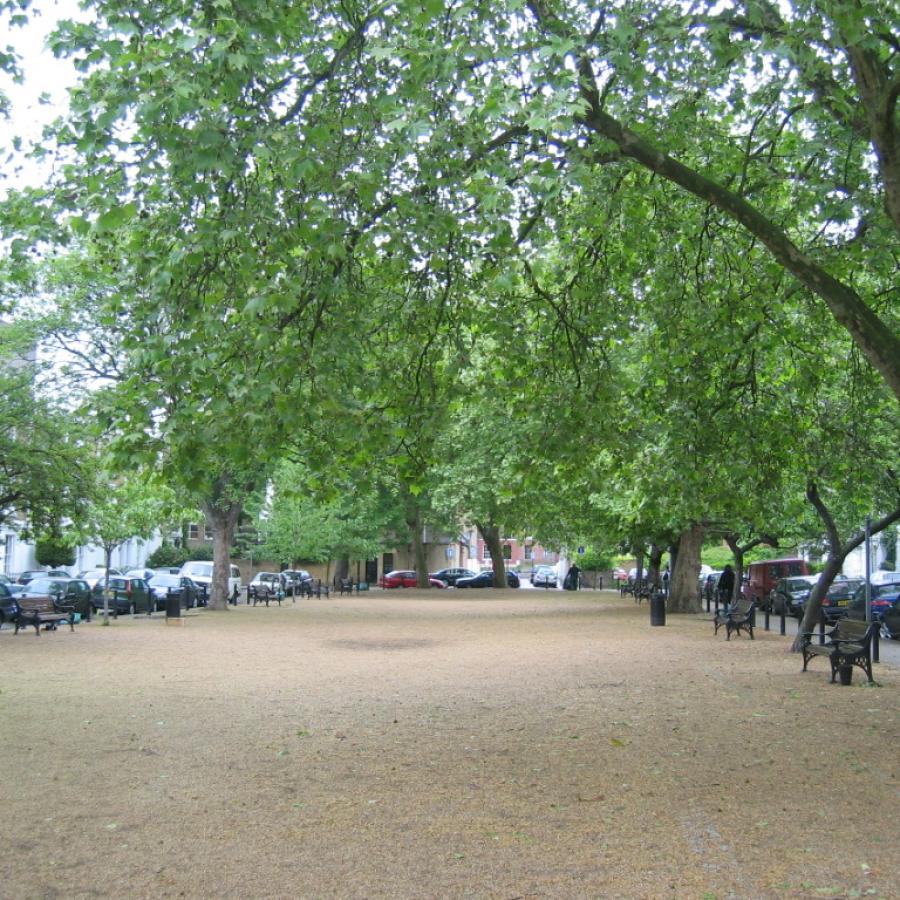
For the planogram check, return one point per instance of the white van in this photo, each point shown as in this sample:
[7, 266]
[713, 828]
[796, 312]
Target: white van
[201, 571]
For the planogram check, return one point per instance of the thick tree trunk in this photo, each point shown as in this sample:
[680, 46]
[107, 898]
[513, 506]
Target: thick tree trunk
[491, 536]
[341, 568]
[683, 590]
[673, 557]
[222, 520]
[414, 523]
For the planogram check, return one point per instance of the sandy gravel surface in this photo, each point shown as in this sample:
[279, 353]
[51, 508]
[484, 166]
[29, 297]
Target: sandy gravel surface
[490, 744]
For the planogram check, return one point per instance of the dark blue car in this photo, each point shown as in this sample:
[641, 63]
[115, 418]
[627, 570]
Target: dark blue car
[486, 579]
[884, 597]
[8, 607]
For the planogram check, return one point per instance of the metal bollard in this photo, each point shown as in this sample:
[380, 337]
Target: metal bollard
[783, 630]
[875, 645]
[766, 619]
[821, 630]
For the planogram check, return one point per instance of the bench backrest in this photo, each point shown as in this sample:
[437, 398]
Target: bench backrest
[854, 630]
[36, 604]
[742, 608]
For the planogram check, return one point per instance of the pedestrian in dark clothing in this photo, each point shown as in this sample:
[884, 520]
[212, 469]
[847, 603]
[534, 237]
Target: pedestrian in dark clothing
[571, 580]
[726, 585]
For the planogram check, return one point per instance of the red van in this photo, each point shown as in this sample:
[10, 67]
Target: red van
[762, 575]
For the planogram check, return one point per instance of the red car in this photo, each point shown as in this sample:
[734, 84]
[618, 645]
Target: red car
[406, 578]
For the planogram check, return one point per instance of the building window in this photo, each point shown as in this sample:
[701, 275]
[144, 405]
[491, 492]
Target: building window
[507, 551]
[528, 552]
[194, 532]
[485, 553]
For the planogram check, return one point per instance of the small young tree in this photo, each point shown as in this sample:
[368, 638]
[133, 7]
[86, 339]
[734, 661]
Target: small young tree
[120, 507]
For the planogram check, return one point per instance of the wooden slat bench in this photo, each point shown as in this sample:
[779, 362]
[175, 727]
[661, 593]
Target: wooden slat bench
[738, 618]
[38, 611]
[849, 643]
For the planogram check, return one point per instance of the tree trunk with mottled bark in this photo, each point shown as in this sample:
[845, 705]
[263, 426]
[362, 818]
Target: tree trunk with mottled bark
[222, 521]
[491, 537]
[683, 596]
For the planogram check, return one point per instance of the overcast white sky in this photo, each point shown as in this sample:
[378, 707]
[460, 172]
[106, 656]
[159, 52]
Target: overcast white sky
[43, 75]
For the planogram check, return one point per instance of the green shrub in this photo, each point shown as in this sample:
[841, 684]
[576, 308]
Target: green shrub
[54, 551]
[167, 555]
[594, 560]
[203, 553]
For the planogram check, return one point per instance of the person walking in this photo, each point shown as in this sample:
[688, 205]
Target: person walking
[726, 586]
[571, 580]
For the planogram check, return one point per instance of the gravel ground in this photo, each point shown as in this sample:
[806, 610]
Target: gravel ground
[487, 744]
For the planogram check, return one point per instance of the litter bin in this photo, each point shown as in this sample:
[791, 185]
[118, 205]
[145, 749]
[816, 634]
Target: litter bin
[658, 608]
[173, 605]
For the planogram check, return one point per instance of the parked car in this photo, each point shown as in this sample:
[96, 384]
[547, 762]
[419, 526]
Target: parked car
[884, 597]
[890, 621]
[544, 576]
[146, 574]
[764, 575]
[92, 576]
[31, 574]
[200, 572]
[486, 579]
[161, 584]
[271, 581]
[296, 577]
[837, 598]
[452, 575]
[790, 594]
[126, 595]
[8, 606]
[74, 592]
[12, 586]
[406, 578]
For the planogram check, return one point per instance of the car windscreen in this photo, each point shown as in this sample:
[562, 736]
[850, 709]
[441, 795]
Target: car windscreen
[798, 584]
[42, 586]
[165, 581]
